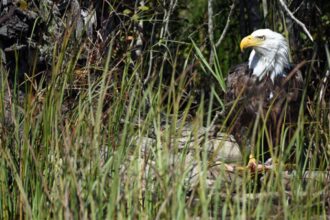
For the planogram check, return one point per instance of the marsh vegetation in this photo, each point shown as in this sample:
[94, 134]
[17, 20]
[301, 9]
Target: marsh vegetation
[108, 109]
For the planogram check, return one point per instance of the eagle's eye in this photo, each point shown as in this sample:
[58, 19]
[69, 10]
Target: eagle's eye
[262, 37]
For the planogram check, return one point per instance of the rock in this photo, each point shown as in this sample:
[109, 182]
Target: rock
[185, 154]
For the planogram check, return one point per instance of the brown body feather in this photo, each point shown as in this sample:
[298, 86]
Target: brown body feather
[276, 102]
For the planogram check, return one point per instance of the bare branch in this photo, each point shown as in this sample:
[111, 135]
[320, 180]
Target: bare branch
[210, 28]
[325, 80]
[166, 18]
[302, 25]
[265, 8]
[227, 25]
[210, 21]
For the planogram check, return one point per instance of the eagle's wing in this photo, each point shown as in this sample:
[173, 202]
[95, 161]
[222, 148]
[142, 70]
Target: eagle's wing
[236, 81]
[279, 100]
[290, 86]
[240, 111]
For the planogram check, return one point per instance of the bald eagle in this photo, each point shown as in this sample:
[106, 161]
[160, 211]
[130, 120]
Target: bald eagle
[264, 91]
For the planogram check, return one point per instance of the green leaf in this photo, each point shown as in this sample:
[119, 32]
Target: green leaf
[135, 17]
[144, 8]
[127, 12]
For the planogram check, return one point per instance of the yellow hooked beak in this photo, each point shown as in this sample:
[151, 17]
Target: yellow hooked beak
[250, 41]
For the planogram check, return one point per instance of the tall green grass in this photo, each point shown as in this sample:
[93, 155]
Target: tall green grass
[67, 154]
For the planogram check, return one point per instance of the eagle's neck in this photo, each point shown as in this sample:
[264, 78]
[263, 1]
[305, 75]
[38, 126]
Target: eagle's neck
[264, 63]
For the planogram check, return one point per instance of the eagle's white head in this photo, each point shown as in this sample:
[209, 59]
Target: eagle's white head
[270, 53]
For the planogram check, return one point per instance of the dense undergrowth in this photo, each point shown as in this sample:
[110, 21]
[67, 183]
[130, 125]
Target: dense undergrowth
[70, 138]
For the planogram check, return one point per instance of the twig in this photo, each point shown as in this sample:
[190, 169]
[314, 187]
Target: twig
[210, 28]
[298, 8]
[326, 78]
[217, 114]
[302, 25]
[210, 21]
[294, 71]
[227, 25]
[265, 8]
[164, 32]
[166, 17]
[324, 87]
[151, 55]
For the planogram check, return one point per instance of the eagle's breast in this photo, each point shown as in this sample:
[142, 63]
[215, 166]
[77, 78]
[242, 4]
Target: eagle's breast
[253, 93]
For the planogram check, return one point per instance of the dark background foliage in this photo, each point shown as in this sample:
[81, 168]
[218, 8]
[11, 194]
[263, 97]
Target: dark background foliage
[162, 26]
